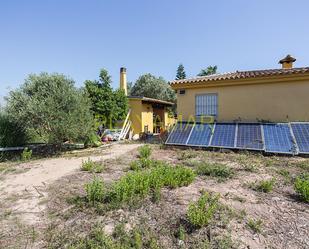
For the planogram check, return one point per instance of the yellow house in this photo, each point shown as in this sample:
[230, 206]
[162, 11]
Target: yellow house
[274, 95]
[147, 115]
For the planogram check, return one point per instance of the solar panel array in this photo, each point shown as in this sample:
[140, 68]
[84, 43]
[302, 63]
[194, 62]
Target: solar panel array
[286, 138]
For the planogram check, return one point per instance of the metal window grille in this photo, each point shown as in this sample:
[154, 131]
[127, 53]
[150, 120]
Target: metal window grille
[206, 105]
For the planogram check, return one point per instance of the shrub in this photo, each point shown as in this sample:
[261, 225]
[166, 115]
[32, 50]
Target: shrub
[144, 151]
[141, 183]
[26, 154]
[92, 166]
[92, 140]
[265, 186]
[201, 212]
[95, 191]
[301, 186]
[11, 133]
[215, 170]
[142, 163]
[255, 225]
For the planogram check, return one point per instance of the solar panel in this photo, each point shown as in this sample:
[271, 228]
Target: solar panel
[179, 134]
[278, 139]
[200, 135]
[249, 136]
[301, 133]
[224, 135]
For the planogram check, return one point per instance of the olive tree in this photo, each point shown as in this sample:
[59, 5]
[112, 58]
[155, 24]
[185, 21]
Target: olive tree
[52, 107]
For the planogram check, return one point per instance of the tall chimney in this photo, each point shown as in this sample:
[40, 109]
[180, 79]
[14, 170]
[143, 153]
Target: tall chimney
[287, 62]
[123, 80]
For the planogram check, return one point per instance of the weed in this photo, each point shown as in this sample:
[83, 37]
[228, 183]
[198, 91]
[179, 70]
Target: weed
[92, 166]
[139, 184]
[250, 167]
[144, 151]
[95, 191]
[215, 170]
[265, 186]
[187, 154]
[301, 186]
[26, 154]
[201, 212]
[303, 165]
[181, 233]
[255, 225]
[142, 163]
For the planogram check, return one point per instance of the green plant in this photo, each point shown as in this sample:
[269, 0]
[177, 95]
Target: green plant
[95, 191]
[11, 132]
[255, 225]
[142, 163]
[215, 170]
[26, 154]
[139, 184]
[301, 186]
[265, 186]
[92, 140]
[52, 107]
[144, 151]
[181, 233]
[200, 213]
[187, 154]
[92, 166]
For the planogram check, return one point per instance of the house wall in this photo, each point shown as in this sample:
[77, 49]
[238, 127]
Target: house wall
[141, 115]
[275, 102]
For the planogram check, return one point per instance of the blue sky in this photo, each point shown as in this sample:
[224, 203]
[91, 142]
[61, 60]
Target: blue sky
[78, 37]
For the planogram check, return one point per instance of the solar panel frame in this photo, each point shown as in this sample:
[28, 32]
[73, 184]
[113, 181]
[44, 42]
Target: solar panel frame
[295, 152]
[300, 150]
[250, 148]
[200, 145]
[214, 133]
[172, 133]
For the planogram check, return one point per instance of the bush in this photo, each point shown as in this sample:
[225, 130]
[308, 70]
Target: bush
[144, 151]
[301, 186]
[201, 212]
[92, 140]
[92, 166]
[139, 184]
[142, 163]
[95, 191]
[26, 154]
[215, 170]
[12, 134]
[265, 186]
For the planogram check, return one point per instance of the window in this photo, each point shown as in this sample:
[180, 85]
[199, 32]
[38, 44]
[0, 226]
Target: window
[206, 105]
[182, 91]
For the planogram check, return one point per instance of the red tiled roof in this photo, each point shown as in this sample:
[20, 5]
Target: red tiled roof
[244, 75]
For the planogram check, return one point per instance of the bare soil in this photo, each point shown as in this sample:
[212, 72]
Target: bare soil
[40, 208]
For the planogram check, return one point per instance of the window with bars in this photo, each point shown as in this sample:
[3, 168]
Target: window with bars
[206, 105]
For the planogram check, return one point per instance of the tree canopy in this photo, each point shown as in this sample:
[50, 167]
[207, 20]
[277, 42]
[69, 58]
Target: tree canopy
[109, 104]
[150, 86]
[181, 74]
[208, 71]
[52, 107]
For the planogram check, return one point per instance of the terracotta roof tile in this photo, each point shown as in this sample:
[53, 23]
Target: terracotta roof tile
[244, 74]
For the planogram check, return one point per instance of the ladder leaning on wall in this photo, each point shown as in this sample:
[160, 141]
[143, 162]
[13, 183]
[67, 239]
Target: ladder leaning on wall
[126, 127]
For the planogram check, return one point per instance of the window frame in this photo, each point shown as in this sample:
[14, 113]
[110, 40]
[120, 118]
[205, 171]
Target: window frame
[217, 104]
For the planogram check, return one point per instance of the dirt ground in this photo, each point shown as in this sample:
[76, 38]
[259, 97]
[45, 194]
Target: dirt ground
[39, 209]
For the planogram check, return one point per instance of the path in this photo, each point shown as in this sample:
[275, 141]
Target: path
[27, 186]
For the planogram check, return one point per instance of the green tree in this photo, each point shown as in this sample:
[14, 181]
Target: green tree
[11, 133]
[150, 86]
[208, 71]
[112, 105]
[50, 106]
[181, 74]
